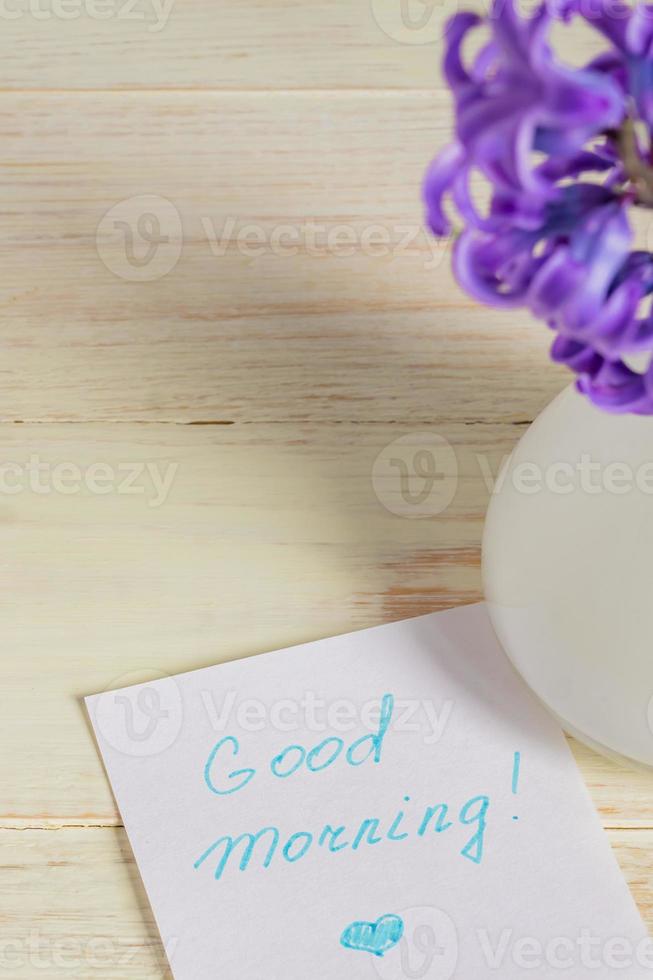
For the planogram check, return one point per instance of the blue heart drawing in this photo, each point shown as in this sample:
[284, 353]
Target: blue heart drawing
[377, 937]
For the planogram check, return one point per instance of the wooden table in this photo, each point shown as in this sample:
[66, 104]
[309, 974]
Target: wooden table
[214, 272]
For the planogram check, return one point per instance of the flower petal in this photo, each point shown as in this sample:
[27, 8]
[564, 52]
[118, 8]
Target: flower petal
[438, 180]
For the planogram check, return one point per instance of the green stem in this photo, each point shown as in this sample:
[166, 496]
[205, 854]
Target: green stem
[639, 173]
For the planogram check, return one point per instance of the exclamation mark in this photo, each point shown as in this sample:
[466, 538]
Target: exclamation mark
[516, 767]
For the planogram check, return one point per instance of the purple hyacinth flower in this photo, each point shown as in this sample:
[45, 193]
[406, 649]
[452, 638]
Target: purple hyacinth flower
[563, 153]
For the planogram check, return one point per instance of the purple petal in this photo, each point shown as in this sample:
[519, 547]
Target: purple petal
[556, 237]
[458, 27]
[438, 180]
[581, 358]
[600, 244]
[476, 259]
[616, 388]
[555, 283]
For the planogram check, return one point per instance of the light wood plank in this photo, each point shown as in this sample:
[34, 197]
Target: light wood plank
[72, 903]
[312, 325]
[272, 532]
[271, 535]
[99, 585]
[405, 366]
[202, 44]
[623, 797]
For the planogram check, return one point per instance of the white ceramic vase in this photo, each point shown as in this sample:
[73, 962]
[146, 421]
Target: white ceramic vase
[568, 571]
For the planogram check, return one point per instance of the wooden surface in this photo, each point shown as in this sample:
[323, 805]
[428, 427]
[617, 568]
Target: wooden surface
[295, 325]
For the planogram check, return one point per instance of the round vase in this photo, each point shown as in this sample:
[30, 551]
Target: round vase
[568, 571]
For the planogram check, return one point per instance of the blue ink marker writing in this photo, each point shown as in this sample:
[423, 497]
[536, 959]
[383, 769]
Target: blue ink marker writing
[516, 769]
[376, 938]
[247, 774]
[474, 848]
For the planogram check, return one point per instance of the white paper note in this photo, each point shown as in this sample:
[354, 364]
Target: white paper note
[388, 804]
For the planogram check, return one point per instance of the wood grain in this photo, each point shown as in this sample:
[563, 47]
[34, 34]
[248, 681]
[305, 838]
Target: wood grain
[59, 921]
[107, 583]
[305, 319]
[72, 904]
[349, 313]
[199, 44]
[270, 535]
